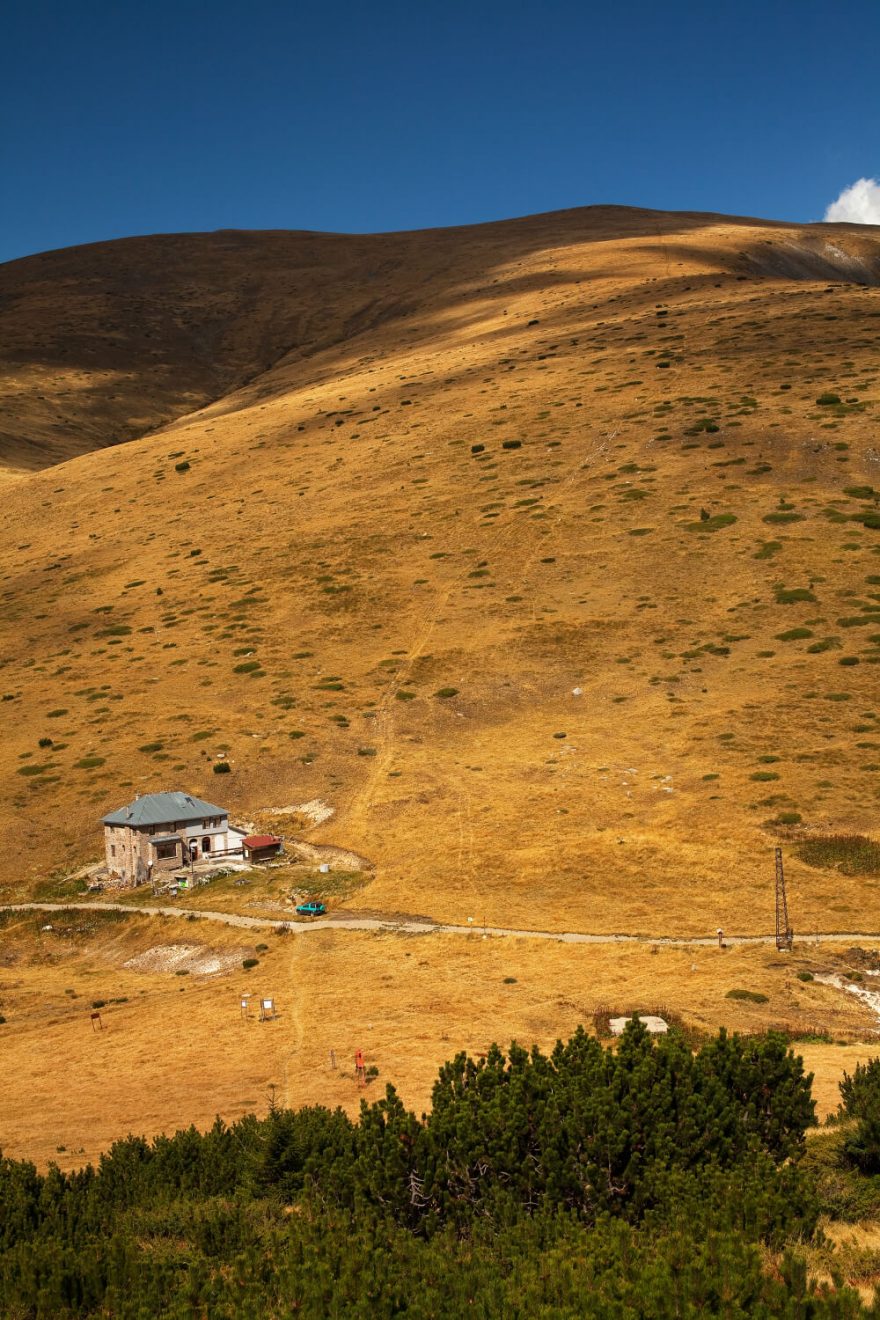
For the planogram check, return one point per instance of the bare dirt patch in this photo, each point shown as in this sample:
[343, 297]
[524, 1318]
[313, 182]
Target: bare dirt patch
[316, 811]
[194, 958]
[336, 858]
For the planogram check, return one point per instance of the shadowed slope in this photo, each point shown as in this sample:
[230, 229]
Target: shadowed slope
[103, 343]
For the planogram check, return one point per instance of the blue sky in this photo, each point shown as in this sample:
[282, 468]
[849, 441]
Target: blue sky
[122, 118]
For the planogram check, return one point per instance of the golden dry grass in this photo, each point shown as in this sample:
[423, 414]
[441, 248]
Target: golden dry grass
[828, 1063]
[336, 527]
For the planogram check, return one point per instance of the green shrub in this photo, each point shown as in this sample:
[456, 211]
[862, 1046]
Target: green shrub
[805, 976]
[851, 854]
[248, 963]
[753, 996]
[782, 518]
[181, 467]
[828, 399]
[791, 595]
[511, 444]
[446, 692]
[712, 524]
[221, 768]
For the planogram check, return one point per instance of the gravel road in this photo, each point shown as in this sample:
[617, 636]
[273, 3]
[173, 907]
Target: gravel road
[342, 921]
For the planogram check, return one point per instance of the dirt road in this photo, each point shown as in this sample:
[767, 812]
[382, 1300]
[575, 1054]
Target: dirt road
[423, 927]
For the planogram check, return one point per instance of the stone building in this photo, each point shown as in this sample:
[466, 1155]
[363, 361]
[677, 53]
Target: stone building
[164, 831]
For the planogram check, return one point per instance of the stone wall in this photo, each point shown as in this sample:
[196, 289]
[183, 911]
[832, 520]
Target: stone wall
[129, 854]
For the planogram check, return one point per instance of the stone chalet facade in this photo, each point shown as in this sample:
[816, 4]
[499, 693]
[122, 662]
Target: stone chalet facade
[164, 831]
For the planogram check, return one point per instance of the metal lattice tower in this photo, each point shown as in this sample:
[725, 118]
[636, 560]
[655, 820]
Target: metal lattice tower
[784, 932]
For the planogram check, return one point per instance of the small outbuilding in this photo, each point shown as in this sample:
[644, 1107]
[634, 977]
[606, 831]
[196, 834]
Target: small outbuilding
[261, 847]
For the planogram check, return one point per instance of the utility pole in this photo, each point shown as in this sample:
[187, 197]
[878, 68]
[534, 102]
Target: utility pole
[784, 932]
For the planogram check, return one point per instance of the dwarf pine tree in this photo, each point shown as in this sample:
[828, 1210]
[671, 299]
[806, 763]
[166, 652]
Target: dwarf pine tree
[645, 1179]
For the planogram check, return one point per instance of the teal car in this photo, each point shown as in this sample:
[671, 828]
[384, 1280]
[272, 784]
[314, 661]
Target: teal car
[311, 909]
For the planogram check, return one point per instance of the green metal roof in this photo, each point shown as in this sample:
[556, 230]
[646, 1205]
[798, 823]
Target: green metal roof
[162, 809]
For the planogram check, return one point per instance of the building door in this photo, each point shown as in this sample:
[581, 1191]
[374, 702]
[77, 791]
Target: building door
[206, 846]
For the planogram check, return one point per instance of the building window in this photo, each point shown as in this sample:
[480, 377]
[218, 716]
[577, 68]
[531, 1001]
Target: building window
[165, 850]
[112, 849]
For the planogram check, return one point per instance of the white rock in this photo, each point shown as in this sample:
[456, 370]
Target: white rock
[656, 1025]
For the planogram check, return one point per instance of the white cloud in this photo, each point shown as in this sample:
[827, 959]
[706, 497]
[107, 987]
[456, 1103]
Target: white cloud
[859, 204]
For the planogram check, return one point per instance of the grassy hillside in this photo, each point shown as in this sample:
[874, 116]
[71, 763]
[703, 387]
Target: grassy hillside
[544, 552]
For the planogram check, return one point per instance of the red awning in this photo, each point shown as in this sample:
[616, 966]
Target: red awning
[261, 841]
